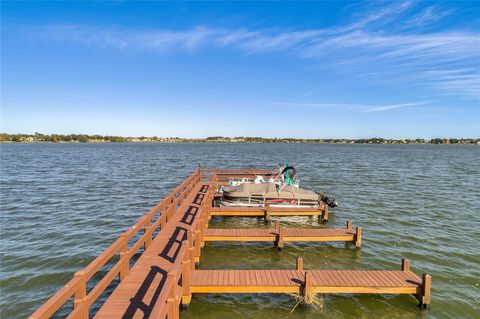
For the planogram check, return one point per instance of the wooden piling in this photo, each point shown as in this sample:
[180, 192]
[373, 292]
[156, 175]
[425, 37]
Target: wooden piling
[358, 237]
[405, 265]
[280, 242]
[426, 287]
[299, 264]
[307, 285]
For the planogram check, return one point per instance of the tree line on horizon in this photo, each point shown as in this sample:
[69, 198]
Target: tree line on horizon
[84, 138]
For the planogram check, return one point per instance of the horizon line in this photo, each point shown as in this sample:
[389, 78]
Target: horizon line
[218, 137]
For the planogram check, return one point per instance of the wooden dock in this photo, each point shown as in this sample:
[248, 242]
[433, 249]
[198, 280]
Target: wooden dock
[302, 281]
[173, 234]
[280, 235]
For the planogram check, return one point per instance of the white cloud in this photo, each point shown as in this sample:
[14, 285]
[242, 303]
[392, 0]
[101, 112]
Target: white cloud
[356, 107]
[447, 61]
[428, 15]
[392, 107]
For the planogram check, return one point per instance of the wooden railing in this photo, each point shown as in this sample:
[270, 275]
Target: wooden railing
[149, 223]
[173, 293]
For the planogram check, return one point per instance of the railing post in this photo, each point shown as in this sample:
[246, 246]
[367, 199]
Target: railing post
[215, 181]
[197, 245]
[81, 295]
[171, 308]
[207, 207]
[171, 299]
[124, 256]
[148, 239]
[201, 225]
[204, 210]
[171, 210]
[186, 292]
[191, 249]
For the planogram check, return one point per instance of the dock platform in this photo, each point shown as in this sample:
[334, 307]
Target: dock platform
[172, 235]
[315, 281]
[279, 235]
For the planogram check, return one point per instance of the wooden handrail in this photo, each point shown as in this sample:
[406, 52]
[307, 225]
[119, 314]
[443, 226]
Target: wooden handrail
[78, 283]
[172, 294]
[170, 284]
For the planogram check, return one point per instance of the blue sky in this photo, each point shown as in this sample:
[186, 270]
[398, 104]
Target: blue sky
[283, 69]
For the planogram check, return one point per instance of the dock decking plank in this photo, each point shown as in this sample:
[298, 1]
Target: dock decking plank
[272, 235]
[329, 280]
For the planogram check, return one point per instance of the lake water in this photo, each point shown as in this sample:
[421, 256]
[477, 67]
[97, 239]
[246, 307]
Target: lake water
[63, 204]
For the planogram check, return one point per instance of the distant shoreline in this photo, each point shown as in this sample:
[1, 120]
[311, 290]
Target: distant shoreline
[83, 138]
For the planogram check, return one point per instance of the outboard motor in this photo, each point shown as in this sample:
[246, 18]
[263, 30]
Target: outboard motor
[330, 201]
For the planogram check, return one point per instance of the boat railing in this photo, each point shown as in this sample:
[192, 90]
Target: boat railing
[223, 176]
[125, 247]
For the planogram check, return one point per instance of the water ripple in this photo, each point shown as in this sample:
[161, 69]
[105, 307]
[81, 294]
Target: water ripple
[62, 204]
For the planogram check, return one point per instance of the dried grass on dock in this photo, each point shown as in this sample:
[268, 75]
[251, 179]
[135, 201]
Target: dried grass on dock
[309, 299]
